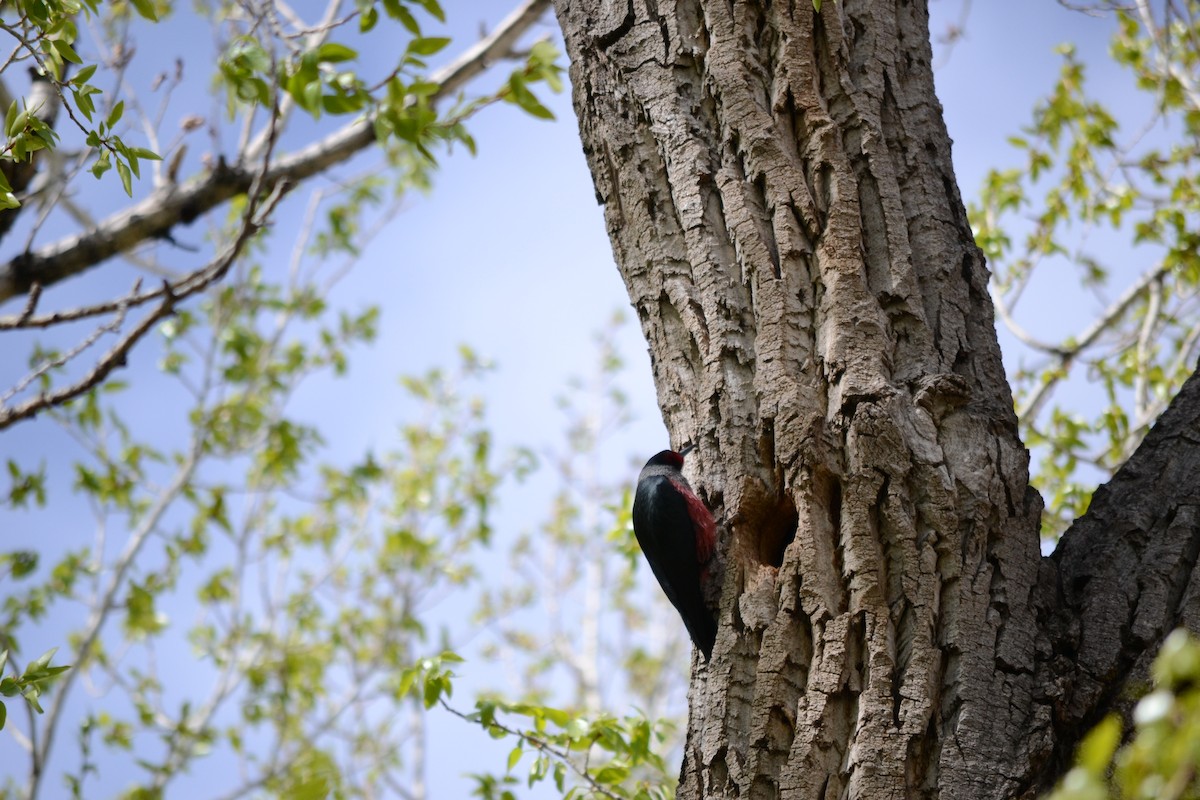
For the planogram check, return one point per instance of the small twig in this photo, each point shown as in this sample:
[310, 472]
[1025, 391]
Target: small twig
[51, 363]
[35, 292]
[1141, 389]
[955, 32]
[1026, 338]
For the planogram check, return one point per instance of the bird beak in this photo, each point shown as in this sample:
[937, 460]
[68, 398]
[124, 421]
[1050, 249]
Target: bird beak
[687, 449]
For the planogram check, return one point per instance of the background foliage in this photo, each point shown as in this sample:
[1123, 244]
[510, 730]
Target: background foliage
[1106, 197]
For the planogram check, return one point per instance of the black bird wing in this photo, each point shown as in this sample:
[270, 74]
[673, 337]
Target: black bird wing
[663, 525]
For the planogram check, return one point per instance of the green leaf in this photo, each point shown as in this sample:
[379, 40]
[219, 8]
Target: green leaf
[41, 662]
[611, 774]
[115, 115]
[407, 678]
[525, 99]
[146, 9]
[428, 45]
[514, 757]
[21, 562]
[368, 19]
[17, 123]
[434, 9]
[66, 51]
[334, 52]
[84, 101]
[83, 75]
[433, 691]
[126, 178]
[1096, 751]
[396, 10]
[103, 164]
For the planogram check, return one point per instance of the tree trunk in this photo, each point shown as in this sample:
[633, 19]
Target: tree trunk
[779, 193]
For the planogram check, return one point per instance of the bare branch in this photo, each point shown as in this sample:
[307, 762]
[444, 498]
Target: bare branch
[35, 292]
[105, 604]
[112, 359]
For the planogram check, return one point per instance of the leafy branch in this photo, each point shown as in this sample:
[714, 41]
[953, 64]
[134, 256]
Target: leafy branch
[561, 742]
[171, 205]
[30, 683]
[310, 76]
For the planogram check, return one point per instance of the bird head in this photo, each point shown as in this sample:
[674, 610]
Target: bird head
[669, 458]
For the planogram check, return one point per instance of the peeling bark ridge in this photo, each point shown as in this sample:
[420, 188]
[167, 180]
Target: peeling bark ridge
[778, 189]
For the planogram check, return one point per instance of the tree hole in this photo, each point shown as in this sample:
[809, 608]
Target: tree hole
[777, 530]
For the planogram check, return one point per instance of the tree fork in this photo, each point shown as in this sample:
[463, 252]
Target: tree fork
[778, 189]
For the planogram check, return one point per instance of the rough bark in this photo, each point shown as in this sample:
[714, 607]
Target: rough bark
[1124, 576]
[778, 189]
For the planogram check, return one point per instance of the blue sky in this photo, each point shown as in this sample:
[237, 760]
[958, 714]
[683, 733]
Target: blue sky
[509, 255]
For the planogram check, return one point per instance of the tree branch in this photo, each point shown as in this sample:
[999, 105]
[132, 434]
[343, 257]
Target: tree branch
[255, 216]
[1124, 575]
[116, 357]
[169, 205]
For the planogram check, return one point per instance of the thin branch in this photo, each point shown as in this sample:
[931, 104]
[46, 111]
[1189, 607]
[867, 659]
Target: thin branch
[251, 223]
[35, 292]
[1025, 337]
[1141, 381]
[101, 609]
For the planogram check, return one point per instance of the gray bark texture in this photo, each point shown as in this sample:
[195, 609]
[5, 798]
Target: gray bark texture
[778, 189]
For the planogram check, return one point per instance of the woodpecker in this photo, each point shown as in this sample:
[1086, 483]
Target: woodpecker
[677, 535]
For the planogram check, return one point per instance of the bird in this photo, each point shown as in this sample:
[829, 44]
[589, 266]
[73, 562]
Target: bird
[677, 535]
